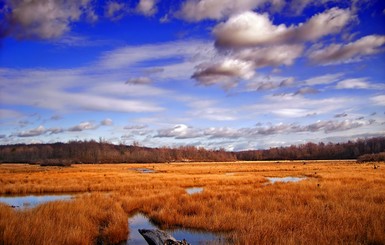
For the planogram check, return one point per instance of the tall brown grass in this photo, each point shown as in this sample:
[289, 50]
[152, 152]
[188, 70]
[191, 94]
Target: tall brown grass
[340, 202]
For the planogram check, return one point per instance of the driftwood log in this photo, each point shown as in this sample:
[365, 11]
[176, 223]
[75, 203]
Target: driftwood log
[159, 237]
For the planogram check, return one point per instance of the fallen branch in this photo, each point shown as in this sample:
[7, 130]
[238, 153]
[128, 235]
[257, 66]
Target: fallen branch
[159, 237]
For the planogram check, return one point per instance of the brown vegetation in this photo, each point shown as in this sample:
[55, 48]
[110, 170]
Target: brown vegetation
[379, 157]
[103, 152]
[340, 202]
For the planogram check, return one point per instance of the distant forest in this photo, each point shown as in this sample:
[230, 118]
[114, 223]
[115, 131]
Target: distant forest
[104, 152]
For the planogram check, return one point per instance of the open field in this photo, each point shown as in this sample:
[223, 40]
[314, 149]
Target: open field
[340, 202]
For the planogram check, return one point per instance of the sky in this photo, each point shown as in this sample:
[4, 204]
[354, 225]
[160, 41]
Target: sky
[236, 75]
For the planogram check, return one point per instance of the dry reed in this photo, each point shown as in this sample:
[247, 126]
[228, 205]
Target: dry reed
[340, 202]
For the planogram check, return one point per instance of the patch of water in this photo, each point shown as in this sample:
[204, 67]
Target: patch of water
[140, 221]
[145, 170]
[194, 190]
[31, 201]
[285, 179]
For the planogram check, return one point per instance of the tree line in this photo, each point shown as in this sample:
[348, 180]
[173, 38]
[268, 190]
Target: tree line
[320, 151]
[104, 152]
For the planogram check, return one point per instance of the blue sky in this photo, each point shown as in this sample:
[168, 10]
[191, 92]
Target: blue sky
[246, 74]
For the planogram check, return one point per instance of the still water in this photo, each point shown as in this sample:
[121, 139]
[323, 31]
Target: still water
[285, 179]
[140, 221]
[194, 190]
[31, 201]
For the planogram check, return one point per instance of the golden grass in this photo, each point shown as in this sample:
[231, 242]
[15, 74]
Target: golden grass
[340, 202]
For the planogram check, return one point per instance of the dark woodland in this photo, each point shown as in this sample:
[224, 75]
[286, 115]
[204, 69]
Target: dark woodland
[103, 152]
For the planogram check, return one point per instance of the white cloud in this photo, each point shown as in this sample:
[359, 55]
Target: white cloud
[272, 55]
[197, 10]
[354, 83]
[306, 90]
[44, 19]
[147, 7]
[106, 122]
[324, 79]
[291, 106]
[135, 127]
[180, 131]
[81, 127]
[59, 90]
[33, 132]
[262, 82]
[222, 132]
[338, 53]
[250, 29]
[226, 72]
[378, 100]
[114, 10]
[333, 126]
[132, 56]
[210, 110]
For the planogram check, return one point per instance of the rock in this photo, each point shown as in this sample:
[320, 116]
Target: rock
[159, 237]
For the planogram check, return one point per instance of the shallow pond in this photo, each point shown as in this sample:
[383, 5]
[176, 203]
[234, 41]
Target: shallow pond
[145, 170]
[288, 179]
[194, 190]
[140, 221]
[31, 201]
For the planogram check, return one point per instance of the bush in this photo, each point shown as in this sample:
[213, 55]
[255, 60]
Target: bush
[379, 157]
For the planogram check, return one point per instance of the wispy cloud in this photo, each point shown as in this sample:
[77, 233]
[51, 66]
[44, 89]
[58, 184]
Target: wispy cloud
[354, 51]
[193, 10]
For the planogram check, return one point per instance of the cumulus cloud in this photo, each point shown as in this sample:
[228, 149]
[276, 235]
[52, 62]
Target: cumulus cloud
[55, 130]
[250, 29]
[44, 19]
[81, 127]
[333, 126]
[197, 10]
[106, 122]
[222, 132]
[139, 80]
[338, 53]
[33, 132]
[233, 69]
[179, 131]
[182, 131]
[114, 10]
[147, 7]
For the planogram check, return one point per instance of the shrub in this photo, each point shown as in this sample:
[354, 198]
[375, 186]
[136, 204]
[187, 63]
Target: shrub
[379, 157]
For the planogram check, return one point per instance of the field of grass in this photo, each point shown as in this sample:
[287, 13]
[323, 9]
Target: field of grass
[340, 202]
